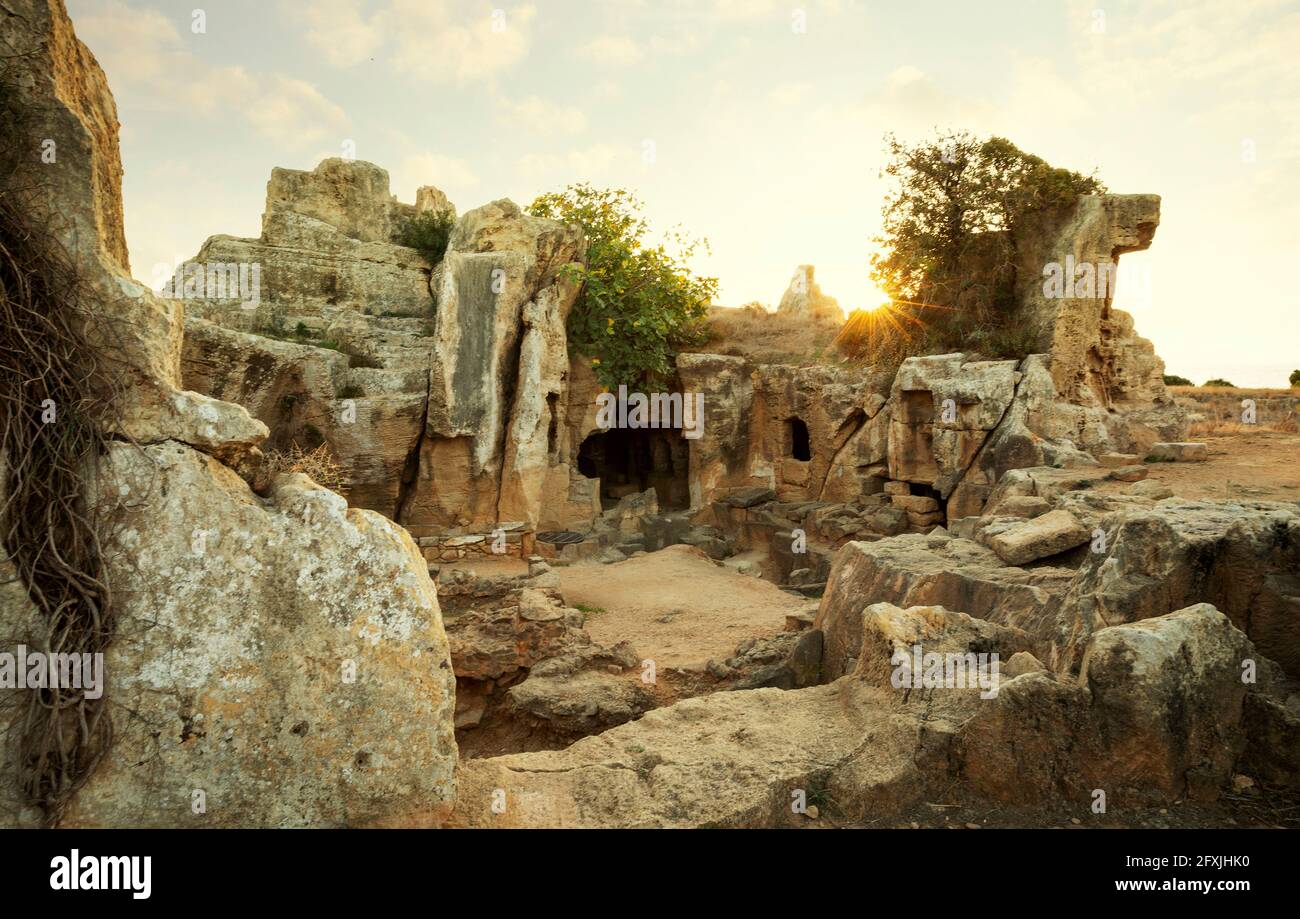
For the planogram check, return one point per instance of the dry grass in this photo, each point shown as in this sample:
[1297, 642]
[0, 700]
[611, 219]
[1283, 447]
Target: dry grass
[1275, 409]
[766, 337]
[319, 465]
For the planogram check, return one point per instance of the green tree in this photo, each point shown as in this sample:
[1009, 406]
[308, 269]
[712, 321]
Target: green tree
[639, 305]
[1295, 377]
[948, 255]
[1173, 379]
[1220, 382]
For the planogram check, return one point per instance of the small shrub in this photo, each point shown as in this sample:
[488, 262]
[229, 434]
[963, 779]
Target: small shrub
[1173, 379]
[351, 391]
[428, 234]
[1295, 378]
[1220, 382]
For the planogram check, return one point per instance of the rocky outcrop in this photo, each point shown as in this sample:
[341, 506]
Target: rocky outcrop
[863, 748]
[804, 299]
[938, 570]
[278, 660]
[1156, 713]
[284, 658]
[1242, 557]
[942, 409]
[1096, 359]
[498, 387]
[328, 241]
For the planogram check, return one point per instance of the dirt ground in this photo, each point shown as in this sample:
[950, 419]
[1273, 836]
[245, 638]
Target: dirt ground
[676, 606]
[1260, 466]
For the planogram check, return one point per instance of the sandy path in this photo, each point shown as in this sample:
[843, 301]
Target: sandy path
[1262, 466]
[710, 609]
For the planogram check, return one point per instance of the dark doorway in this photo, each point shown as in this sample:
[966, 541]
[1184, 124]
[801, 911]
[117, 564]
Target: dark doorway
[628, 460]
[796, 437]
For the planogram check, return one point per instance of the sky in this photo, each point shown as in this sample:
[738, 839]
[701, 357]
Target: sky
[756, 124]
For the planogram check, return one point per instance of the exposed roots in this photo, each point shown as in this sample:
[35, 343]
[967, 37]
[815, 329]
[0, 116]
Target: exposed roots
[56, 399]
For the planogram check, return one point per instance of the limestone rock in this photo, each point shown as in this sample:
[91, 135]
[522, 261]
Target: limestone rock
[908, 571]
[1242, 557]
[943, 409]
[286, 656]
[1178, 453]
[1096, 360]
[888, 631]
[240, 620]
[1050, 534]
[804, 297]
[1027, 506]
[1155, 714]
[1151, 490]
[498, 394]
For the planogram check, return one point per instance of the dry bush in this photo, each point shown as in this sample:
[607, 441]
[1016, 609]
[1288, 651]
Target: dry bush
[319, 465]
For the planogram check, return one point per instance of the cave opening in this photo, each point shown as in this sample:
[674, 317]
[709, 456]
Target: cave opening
[796, 437]
[629, 460]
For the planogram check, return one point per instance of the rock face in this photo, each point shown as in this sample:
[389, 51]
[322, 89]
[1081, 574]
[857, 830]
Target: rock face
[1155, 712]
[327, 241]
[400, 367]
[1096, 359]
[356, 308]
[240, 619]
[1244, 558]
[942, 409]
[498, 388]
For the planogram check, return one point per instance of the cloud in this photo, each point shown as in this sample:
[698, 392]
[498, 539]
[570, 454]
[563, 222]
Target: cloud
[789, 93]
[451, 175]
[612, 50]
[151, 68]
[293, 113]
[338, 29]
[600, 163]
[441, 42]
[539, 116]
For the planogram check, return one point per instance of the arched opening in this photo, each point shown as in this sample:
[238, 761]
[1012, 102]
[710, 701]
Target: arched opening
[629, 460]
[796, 438]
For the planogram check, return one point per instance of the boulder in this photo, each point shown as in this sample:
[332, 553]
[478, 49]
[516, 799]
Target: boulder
[1051, 534]
[1242, 557]
[1155, 714]
[916, 570]
[286, 657]
[1178, 453]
